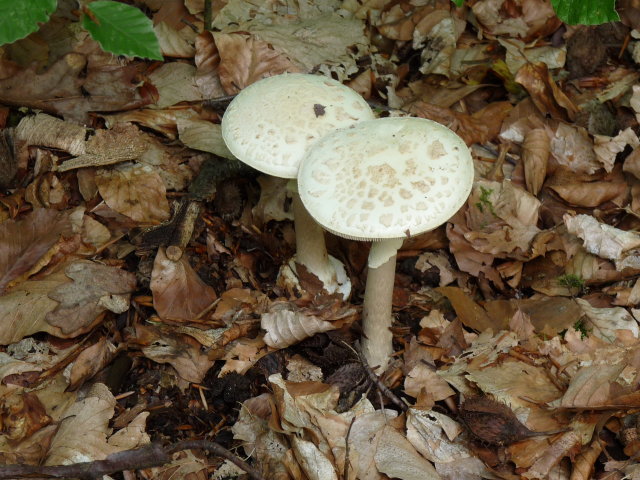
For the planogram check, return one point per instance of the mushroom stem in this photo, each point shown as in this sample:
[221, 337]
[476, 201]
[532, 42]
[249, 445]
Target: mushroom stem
[311, 250]
[377, 344]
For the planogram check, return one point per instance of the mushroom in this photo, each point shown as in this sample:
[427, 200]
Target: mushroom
[384, 180]
[271, 124]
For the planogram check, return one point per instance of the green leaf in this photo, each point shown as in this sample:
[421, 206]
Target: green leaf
[122, 29]
[586, 12]
[20, 18]
[458, 2]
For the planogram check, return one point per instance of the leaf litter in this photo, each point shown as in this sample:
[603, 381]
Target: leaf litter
[135, 308]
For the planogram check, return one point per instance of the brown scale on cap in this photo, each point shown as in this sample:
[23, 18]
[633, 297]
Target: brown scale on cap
[493, 423]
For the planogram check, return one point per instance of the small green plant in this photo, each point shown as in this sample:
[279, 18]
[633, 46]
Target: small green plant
[581, 326]
[571, 281]
[581, 12]
[485, 201]
[119, 28]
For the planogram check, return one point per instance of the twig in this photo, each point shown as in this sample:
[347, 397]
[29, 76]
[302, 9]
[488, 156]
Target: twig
[151, 455]
[345, 474]
[375, 379]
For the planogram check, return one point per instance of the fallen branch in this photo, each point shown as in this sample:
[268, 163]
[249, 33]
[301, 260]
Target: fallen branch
[151, 455]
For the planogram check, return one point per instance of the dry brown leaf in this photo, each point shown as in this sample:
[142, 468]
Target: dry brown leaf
[521, 386]
[572, 148]
[584, 463]
[94, 233]
[21, 415]
[503, 219]
[236, 300]
[632, 163]
[312, 461]
[521, 325]
[175, 83]
[605, 322]
[607, 148]
[468, 311]
[566, 446]
[319, 39]
[242, 354]
[121, 143]
[440, 261]
[286, 325]
[437, 34]
[537, 80]
[90, 361]
[519, 53]
[423, 377]
[134, 190]
[534, 18]
[363, 442]
[95, 288]
[521, 118]
[187, 465]
[47, 131]
[398, 24]
[24, 309]
[31, 451]
[590, 194]
[207, 60]
[535, 155]
[83, 432]
[547, 314]
[258, 440]
[175, 41]
[601, 239]
[113, 86]
[467, 258]
[432, 433]
[180, 351]
[595, 385]
[203, 135]
[244, 59]
[179, 294]
[396, 457]
[481, 127]
[24, 242]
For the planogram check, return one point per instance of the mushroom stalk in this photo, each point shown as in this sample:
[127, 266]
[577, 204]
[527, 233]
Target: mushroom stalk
[377, 344]
[311, 250]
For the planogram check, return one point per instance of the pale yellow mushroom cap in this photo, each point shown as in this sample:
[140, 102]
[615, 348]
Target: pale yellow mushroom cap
[386, 178]
[271, 123]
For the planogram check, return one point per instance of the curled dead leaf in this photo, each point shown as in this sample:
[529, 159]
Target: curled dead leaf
[286, 326]
[535, 156]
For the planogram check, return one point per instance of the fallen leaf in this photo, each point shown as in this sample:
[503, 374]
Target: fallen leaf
[95, 288]
[601, 239]
[604, 322]
[134, 190]
[25, 241]
[179, 294]
[90, 361]
[468, 311]
[83, 433]
[286, 324]
[180, 351]
[535, 155]
[245, 59]
[396, 457]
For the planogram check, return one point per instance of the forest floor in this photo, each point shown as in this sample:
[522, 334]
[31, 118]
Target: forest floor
[140, 297]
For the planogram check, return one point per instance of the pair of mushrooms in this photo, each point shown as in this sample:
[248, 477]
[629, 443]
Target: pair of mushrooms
[358, 177]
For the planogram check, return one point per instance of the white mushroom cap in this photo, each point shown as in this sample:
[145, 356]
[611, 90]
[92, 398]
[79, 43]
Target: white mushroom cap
[386, 178]
[271, 123]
